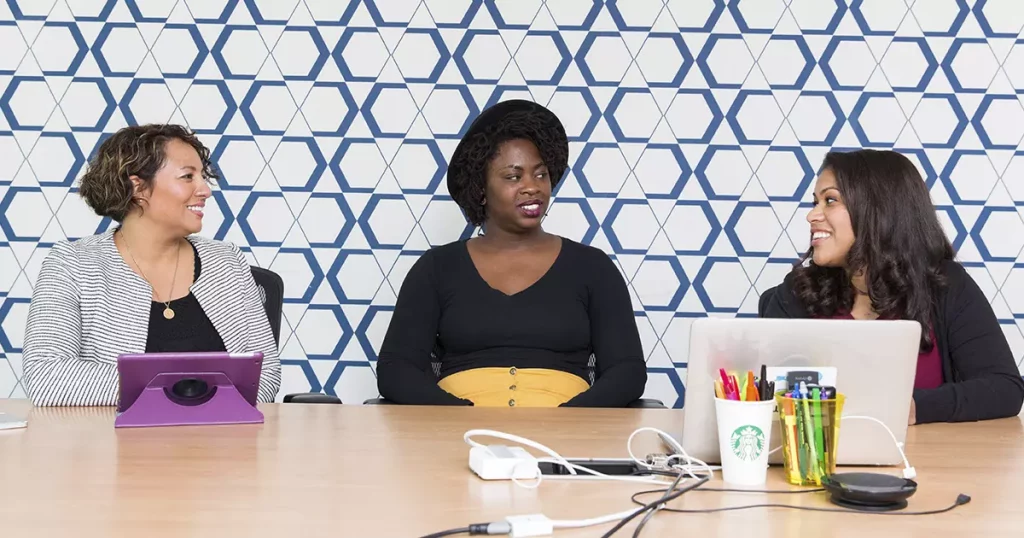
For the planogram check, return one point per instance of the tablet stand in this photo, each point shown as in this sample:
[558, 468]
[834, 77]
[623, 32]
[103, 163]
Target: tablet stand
[162, 403]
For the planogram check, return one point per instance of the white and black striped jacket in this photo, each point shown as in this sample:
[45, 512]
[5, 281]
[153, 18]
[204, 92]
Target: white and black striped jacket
[88, 307]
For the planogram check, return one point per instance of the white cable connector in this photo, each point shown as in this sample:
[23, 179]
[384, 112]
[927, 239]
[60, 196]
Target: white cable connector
[539, 524]
[530, 525]
[908, 472]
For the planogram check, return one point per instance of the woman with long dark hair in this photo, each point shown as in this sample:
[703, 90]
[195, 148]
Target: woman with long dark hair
[878, 251]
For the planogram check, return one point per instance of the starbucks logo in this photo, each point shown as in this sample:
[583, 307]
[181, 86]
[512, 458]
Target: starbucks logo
[747, 442]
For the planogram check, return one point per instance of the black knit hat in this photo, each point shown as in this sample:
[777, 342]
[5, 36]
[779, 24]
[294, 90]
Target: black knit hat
[490, 122]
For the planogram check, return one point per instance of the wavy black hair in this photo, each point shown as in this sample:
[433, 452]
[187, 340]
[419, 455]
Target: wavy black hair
[899, 243]
[467, 171]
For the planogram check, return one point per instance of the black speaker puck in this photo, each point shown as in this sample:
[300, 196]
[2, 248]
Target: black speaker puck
[869, 492]
[862, 507]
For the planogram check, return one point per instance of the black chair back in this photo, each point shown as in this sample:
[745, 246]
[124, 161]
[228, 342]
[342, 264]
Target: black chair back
[762, 302]
[271, 288]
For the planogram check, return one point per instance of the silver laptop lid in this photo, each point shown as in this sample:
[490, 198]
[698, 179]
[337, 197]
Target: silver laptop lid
[875, 363]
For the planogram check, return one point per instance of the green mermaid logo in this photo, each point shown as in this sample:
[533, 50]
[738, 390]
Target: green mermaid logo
[747, 442]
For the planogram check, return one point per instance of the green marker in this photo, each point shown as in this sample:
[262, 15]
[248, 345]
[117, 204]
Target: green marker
[809, 429]
[818, 435]
[801, 442]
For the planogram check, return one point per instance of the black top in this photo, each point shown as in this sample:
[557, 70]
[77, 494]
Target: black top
[982, 378]
[189, 330]
[579, 307]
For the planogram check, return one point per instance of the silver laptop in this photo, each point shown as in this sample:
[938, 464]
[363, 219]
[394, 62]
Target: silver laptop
[874, 364]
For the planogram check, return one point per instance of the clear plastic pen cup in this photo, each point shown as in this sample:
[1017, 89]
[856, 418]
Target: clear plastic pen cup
[810, 436]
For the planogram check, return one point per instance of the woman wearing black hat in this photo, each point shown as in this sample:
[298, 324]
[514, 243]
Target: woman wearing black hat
[513, 316]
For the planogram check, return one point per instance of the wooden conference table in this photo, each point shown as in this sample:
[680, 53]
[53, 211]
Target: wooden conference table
[383, 471]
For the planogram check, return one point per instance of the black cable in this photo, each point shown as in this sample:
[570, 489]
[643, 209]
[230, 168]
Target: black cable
[766, 491]
[673, 493]
[640, 527]
[728, 490]
[960, 500]
[650, 513]
[660, 503]
[475, 529]
[449, 532]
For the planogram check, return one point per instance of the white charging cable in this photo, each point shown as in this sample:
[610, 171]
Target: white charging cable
[600, 520]
[908, 472]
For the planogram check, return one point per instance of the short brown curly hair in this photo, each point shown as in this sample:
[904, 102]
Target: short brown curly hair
[137, 150]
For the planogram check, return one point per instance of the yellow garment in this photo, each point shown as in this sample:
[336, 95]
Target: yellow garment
[514, 387]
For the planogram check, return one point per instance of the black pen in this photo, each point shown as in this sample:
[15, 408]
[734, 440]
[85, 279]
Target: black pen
[762, 386]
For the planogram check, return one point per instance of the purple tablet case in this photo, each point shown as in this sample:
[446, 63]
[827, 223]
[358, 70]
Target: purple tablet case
[185, 389]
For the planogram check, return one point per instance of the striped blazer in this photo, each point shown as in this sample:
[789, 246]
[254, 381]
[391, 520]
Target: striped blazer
[88, 307]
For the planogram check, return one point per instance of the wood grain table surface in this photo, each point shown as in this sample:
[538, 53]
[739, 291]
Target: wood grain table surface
[395, 471]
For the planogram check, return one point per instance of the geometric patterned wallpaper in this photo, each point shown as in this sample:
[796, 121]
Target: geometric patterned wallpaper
[696, 129]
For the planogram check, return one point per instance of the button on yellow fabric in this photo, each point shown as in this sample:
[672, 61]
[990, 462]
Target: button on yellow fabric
[512, 370]
[534, 387]
[511, 403]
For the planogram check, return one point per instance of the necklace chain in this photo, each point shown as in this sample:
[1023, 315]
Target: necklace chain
[168, 311]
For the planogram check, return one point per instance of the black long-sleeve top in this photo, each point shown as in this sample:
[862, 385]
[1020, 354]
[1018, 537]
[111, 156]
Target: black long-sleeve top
[981, 378]
[581, 306]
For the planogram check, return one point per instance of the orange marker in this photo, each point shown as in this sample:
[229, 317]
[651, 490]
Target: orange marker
[752, 395]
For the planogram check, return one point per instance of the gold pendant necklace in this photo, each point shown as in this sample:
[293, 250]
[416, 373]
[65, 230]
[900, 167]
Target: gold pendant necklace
[168, 311]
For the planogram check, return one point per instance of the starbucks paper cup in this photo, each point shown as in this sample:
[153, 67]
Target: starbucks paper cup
[744, 435]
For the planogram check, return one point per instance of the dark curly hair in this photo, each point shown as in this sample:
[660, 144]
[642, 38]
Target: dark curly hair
[898, 242]
[133, 151]
[468, 181]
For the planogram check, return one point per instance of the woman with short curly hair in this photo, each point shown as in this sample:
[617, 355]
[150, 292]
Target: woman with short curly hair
[512, 317]
[878, 251]
[149, 284]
